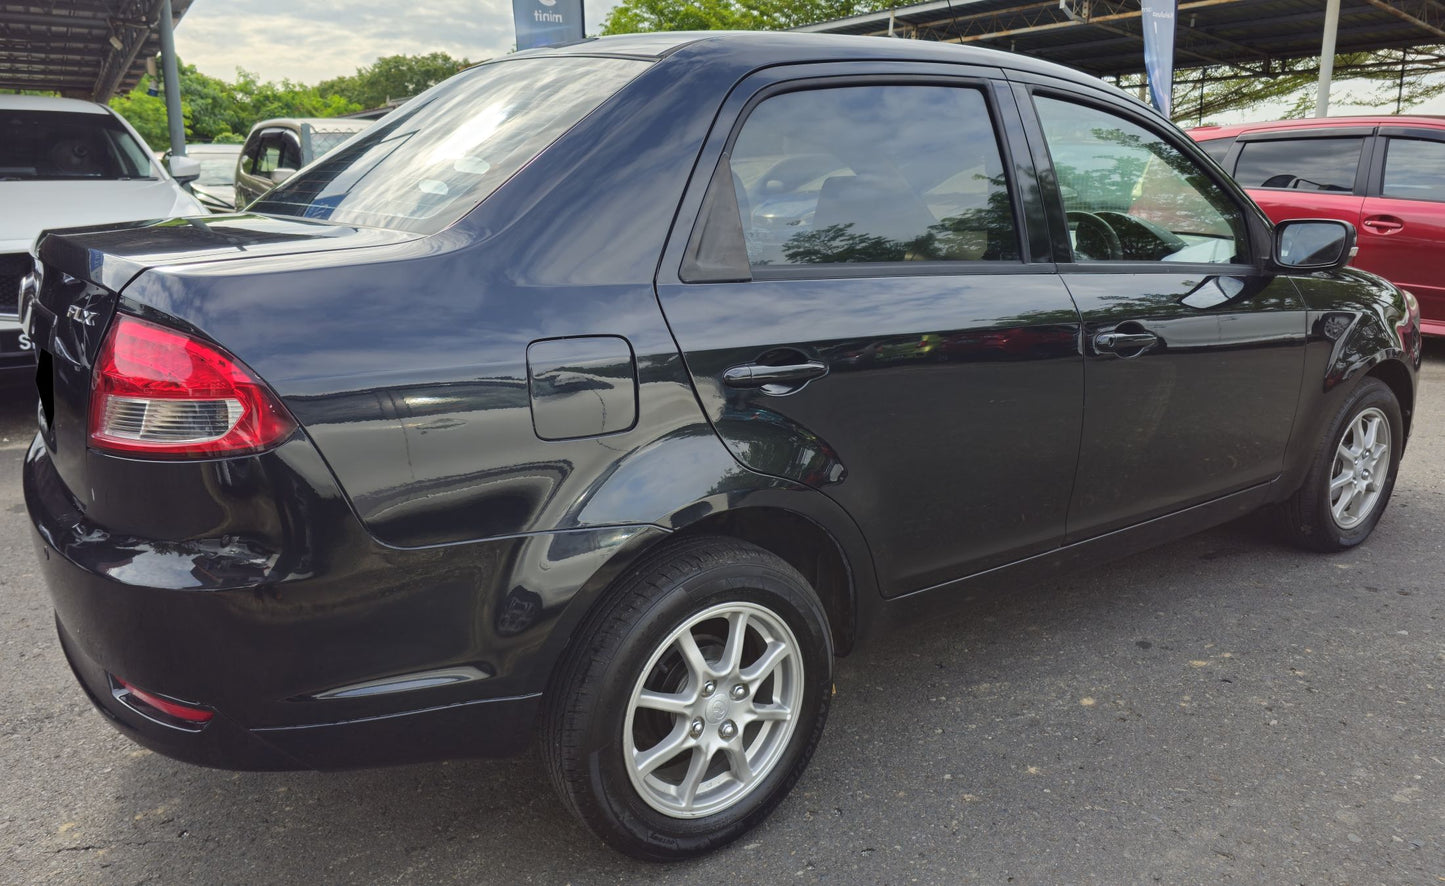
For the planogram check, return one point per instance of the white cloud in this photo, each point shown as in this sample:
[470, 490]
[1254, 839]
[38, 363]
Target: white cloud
[311, 40]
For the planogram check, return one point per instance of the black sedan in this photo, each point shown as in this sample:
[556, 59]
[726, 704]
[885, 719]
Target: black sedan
[603, 395]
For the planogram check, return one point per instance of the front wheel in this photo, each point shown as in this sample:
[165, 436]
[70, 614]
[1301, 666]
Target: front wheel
[693, 700]
[1352, 475]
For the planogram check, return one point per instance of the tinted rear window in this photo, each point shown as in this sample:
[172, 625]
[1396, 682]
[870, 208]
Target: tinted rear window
[55, 145]
[1304, 164]
[429, 162]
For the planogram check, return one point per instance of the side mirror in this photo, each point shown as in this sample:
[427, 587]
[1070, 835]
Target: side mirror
[281, 173]
[184, 169]
[1314, 244]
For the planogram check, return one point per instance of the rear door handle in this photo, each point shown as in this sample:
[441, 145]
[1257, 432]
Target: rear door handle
[1114, 342]
[1384, 224]
[757, 375]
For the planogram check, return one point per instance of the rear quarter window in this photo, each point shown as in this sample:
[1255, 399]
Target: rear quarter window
[1217, 148]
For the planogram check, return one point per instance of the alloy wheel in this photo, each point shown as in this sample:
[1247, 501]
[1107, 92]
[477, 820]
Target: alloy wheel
[1361, 468]
[713, 711]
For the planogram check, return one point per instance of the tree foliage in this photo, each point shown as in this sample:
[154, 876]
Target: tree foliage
[632, 16]
[217, 111]
[1395, 80]
[393, 78]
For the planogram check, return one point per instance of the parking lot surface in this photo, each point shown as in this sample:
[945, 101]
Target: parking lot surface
[1221, 710]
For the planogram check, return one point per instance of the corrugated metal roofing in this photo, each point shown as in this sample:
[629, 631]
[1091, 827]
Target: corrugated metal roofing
[70, 46]
[1104, 37]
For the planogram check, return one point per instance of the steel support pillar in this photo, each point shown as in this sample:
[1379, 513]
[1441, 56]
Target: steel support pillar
[1327, 57]
[172, 75]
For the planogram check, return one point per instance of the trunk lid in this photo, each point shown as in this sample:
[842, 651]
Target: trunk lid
[68, 304]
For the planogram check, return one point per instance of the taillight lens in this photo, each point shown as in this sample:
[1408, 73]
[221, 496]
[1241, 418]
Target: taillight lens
[161, 392]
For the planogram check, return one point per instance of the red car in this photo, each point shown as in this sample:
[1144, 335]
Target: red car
[1383, 174]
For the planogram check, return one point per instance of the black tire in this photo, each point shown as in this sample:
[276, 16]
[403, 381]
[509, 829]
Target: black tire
[1307, 517]
[592, 735]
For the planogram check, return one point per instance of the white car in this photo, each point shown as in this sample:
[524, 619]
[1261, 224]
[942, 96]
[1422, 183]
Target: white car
[66, 163]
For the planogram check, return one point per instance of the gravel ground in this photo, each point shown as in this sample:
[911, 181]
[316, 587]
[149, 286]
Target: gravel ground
[1220, 710]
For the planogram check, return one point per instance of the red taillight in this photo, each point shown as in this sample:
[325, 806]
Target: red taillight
[170, 708]
[161, 392]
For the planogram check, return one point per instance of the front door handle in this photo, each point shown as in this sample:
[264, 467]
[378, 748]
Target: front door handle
[1115, 342]
[757, 375]
[1384, 224]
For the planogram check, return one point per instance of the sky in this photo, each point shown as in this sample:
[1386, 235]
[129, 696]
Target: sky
[312, 40]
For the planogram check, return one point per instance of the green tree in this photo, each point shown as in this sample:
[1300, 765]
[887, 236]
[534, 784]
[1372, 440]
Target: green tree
[147, 113]
[217, 111]
[392, 78]
[1397, 79]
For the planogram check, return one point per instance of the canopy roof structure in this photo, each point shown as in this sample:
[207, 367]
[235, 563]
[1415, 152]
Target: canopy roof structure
[79, 48]
[1104, 37]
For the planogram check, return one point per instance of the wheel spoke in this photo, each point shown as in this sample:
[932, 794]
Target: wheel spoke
[672, 703]
[771, 712]
[696, 664]
[738, 763]
[1344, 479]
[758, 671]
[1346, 452]
[1371, 429]
[655, 756]
[733, 651]
[1346, 496]
[687, 788]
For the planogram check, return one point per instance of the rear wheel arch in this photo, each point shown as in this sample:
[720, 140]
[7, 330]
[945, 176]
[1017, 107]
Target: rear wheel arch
[807, 547]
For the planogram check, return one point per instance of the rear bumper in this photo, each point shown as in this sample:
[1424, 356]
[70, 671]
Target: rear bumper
[490, 727]
[314, 646]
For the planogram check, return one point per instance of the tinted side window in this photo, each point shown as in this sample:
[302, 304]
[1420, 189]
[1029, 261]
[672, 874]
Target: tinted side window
[290, 151]
[269, 155]
[1305, 164]
[1414, 169]
[873, 174]
[249, 155]
[1217, 148]
[1131, 196]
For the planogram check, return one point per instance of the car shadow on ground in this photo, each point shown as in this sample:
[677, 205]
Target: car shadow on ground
[429, 823]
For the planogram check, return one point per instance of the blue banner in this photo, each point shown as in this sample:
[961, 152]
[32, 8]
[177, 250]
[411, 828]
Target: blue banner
[547, 22]
[1159, 50]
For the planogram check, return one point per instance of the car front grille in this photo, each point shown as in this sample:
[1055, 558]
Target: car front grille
[13, 268]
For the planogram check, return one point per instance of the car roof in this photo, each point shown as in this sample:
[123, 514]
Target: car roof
[1206, 133]
[765, 48]
[322, 123]
[50, 103]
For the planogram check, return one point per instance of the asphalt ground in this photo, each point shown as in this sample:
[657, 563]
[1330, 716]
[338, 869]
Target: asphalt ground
[1221, 710]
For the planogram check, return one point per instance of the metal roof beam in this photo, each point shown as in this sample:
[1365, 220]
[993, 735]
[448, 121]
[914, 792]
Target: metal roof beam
[72, 22]
[1406, 16]
[1094, 20]
[118, 61]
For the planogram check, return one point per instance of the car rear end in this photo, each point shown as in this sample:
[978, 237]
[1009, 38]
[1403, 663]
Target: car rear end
[214, 593]
[218, 591]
